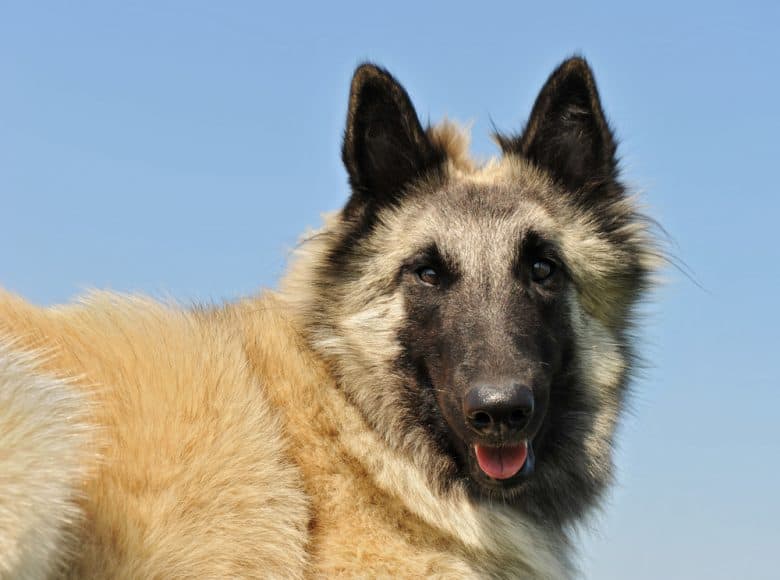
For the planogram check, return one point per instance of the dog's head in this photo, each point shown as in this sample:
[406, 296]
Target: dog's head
[479, 315]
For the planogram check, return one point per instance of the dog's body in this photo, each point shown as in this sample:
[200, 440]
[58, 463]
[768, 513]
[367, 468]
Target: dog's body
[433, 392]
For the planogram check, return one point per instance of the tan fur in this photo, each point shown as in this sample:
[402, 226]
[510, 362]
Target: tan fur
[193, 481]
[454, 140]
[227, 449]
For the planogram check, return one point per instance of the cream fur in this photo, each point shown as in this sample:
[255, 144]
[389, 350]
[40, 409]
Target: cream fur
[44, 457]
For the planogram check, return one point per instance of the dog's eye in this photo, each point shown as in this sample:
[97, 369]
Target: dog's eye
[428, 275]
[542, 269]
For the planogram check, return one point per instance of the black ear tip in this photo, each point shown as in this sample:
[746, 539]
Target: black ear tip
[366, 70]
[574, 72]
[575, 65]
[368, 73]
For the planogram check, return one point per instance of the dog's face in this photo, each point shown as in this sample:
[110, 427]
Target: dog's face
[487, 330]
[478, 316]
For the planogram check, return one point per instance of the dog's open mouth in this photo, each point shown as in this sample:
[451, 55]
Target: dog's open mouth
[504, 462]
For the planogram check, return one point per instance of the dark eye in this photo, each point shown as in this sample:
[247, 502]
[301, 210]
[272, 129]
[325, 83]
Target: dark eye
[542, 269]
[428, 275]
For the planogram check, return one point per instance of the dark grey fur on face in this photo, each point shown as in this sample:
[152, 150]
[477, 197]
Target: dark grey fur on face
[428, 285]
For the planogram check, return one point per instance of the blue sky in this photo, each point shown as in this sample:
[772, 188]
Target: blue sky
[179, 148]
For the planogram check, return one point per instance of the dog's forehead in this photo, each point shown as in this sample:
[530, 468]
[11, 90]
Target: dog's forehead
[472, 220]
[497, 205]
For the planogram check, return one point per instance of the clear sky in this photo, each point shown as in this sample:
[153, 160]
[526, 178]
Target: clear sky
[179, 148]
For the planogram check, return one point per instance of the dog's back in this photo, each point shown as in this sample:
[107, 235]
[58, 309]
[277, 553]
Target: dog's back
[188, 476]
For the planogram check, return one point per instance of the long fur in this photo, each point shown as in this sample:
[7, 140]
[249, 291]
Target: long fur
[193, 479]
[283, 435]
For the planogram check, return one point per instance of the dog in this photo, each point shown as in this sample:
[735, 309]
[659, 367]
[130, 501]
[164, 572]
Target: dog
[432, 392]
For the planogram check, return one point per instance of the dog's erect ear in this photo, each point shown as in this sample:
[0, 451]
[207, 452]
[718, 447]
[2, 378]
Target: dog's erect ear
[385, 147]
[567, 133]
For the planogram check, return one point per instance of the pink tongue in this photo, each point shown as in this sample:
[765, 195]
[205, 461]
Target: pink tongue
[501, 462]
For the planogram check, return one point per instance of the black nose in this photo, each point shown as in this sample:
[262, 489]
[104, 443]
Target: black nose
[498, 409]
